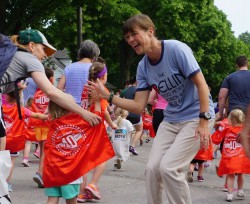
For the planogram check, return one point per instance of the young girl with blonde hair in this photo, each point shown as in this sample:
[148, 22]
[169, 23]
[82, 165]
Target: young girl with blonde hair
[121, 137]
[233, 160]
[72, 148]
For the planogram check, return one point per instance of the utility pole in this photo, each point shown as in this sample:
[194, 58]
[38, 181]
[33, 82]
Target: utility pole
[79, 26]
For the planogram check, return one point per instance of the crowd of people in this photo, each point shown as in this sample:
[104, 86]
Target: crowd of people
[80, 124]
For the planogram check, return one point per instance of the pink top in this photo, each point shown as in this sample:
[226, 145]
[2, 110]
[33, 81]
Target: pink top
[161, 103]
[27, 112]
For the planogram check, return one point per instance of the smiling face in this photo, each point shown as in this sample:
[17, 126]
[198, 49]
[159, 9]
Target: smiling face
[139, 39]
[139, 31]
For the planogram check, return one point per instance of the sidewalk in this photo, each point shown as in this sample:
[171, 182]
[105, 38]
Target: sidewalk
[126, 186]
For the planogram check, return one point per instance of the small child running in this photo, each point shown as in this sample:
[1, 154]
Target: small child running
[121, 137]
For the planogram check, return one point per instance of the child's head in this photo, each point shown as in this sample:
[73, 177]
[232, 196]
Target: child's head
[57, 111]
[120, 114]
[50, 74]
[99, 71]
[11, 97]
[29, 102]
[236, 117]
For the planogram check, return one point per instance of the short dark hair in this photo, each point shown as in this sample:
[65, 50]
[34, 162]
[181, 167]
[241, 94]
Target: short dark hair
[49, 72]
[241, 61]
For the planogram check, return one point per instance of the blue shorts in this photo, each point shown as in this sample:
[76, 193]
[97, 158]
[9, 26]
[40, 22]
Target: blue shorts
[67, 191]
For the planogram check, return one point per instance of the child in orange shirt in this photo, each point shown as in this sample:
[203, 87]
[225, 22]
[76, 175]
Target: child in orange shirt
[233, 160]
[98, 70]
[41, 128]
[72, 148]
[15, 138]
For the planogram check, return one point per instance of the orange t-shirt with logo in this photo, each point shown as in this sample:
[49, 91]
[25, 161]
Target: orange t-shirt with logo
[72, 149]
[233, 158]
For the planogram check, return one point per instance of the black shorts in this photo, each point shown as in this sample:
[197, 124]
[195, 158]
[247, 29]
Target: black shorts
[134, 120]
[194, 161]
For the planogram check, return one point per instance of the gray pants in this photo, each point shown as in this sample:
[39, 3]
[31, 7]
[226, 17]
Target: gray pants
[173, 148]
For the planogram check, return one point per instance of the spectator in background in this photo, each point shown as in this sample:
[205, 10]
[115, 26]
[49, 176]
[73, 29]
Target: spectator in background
[236, 88]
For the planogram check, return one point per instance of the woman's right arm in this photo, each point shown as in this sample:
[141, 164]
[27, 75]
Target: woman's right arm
[62, 99]
[136, 105]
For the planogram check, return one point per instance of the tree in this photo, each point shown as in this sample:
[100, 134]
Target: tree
[245, 37]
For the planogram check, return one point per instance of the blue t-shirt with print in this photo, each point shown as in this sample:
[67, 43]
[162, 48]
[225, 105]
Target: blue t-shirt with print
[170, 77]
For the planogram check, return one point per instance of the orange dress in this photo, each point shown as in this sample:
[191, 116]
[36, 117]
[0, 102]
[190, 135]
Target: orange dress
[147, 124]
[205, 154]
[15, 139]
[233, 158]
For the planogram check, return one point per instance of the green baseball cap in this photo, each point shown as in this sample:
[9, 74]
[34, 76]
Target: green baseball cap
[31, 35]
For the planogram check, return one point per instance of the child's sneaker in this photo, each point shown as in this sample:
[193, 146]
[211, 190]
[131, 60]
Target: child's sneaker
[133, 150]
[115, 167]
[82, 198]
[37, 154]
[200, 178]
[38, 179]
[25, 163]
[207, 164]
[229, 197]
[119, 164]
[241, 194]
[224, 189]
[147, 140]
[190, 176]
[141, 142]
[93, 191]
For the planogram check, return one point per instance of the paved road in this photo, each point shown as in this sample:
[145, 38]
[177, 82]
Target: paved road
[125, 186]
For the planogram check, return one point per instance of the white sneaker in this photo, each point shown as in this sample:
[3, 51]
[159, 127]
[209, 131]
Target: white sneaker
[241, 194]
[229, 197]
[190, 178]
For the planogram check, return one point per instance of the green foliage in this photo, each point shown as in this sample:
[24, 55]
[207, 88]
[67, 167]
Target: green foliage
[198, 23]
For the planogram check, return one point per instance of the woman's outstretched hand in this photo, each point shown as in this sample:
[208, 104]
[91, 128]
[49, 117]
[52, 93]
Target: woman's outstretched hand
[98, 87]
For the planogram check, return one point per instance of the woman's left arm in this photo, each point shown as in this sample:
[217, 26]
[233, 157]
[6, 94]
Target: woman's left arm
[203, 91]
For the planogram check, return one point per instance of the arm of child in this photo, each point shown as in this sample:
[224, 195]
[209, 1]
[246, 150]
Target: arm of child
[108, 120]
[29, 113]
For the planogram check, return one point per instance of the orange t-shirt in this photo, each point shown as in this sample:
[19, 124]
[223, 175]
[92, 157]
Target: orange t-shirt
[72, 149]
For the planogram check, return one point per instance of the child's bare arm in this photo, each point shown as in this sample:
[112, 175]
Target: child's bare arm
[39, 116]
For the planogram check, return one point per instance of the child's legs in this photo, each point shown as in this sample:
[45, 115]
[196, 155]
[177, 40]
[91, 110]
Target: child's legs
[71, 201]
[13, 158]
[200, 168]
[97, 173]
[40, 167]
[26, 150]
[2, 133]
[230, 182]
[192, 165]
[240, 181]
[2, 143]
[41, 136]
[83, 184]
[138, 133]
[52, 200]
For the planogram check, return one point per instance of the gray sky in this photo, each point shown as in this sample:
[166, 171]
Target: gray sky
[238, 13]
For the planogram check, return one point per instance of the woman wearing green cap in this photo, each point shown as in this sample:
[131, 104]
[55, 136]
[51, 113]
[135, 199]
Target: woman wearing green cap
[33, 47]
